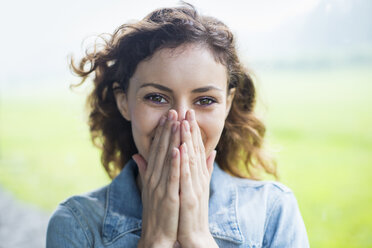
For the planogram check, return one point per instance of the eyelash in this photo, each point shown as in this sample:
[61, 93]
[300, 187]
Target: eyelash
[210, 99]
[151, 98]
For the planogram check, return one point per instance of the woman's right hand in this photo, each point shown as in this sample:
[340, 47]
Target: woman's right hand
[160, 185]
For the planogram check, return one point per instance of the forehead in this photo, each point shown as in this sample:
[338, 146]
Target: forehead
[187, 66]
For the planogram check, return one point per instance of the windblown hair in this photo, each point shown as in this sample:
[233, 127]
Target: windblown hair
[240, 149]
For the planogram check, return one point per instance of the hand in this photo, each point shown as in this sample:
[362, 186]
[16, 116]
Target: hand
[195, 175]
[160, 185]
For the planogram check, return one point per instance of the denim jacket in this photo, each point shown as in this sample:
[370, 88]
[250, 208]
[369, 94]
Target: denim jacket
[242, 213]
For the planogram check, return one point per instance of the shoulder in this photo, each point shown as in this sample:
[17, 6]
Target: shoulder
[275, 210]
[266, 192]
[248, 185]
[281, 220]
[271, 194]
[270, 187]
[267, 212]
[89, 201]
[70, 224]
[261, 201]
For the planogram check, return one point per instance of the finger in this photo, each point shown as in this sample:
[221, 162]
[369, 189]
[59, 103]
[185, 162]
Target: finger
[173, 182]
[197, 141]
[210, 162]
[141, 164]
[192, 159]
[174, 143]
[162, 148]
[154, 145]
[185, 173]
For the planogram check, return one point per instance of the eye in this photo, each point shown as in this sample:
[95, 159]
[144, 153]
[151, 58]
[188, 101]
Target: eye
[156, 98]
[205, 101]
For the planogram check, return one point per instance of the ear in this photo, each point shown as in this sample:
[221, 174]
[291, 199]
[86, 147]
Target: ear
[121, 101]
[229, 100]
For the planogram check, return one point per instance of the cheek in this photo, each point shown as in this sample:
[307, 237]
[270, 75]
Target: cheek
[211, 126]
[144, 123]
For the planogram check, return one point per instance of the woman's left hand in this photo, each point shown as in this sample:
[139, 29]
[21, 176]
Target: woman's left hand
[195, 176]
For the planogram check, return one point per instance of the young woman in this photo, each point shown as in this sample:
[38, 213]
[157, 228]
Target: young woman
[173, 111]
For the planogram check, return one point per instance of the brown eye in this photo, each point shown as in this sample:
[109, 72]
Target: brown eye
[156, 98]
[205, 101]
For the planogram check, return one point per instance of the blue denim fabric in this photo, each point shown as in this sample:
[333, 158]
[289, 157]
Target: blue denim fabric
[242, 213]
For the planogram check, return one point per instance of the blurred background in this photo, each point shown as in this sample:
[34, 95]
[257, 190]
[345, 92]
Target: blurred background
[312, 61]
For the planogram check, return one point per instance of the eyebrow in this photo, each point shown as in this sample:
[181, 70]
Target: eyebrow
[163, 88]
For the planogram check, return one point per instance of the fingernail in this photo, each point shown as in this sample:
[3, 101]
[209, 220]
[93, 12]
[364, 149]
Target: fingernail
[184, 147]
[170, 115]
[188, 115]
[162, 120]
[135, 160]
[174, 152]
[215, 154]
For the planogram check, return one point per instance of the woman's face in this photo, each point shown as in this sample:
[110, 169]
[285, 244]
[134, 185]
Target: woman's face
[187, 77]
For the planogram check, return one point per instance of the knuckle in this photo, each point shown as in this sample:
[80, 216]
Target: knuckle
[186, 159]
[197, 149]
[161, 147]
[186, 175]
[188, 137]
[157, 134]
[192, 160]
[172, 199]
[152, 183]
[194, 200]
[158, 194]
[191, 203]
[204, 179]
[173, 178]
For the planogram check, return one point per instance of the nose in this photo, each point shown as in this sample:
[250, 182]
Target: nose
[181, 113]
[181, 110]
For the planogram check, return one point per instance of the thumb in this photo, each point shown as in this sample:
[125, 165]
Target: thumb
[210, 161]
[141, 164]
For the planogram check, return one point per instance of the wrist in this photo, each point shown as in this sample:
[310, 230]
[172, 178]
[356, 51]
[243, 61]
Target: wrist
[155, 243]
[199, 241]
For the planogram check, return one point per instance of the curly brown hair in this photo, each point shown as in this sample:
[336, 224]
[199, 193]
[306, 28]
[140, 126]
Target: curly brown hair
[240, 149]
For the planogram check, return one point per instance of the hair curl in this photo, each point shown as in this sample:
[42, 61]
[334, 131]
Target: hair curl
[240, 149]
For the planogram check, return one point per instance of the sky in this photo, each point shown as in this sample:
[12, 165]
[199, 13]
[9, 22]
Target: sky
[39, 35]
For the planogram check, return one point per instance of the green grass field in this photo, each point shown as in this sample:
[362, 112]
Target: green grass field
[319, 122]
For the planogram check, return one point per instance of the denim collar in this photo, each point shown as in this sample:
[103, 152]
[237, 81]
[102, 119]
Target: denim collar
[124, 206]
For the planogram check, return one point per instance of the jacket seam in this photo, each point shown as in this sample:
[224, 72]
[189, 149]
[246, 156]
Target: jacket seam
[236, 212]
[71, 209]
[274, 205]
[106, 212]
[279, 187]
[122, 235]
